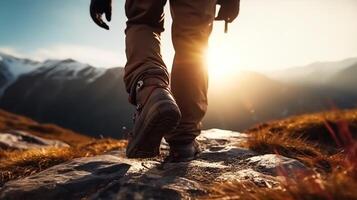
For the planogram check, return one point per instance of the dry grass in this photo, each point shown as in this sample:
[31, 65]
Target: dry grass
[316, 139]
[9, 121]
[315, 130]
[17, 164]
[21, 163]
[323, 140]
[341, 184]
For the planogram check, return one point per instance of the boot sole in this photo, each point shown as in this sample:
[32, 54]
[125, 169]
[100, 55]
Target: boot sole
[164, 119]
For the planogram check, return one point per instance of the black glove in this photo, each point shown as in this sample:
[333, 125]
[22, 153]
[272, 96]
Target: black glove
[98, 8]
[228, 11]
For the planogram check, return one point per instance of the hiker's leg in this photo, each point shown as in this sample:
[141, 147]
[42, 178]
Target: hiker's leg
[192, 25]
[144, 26]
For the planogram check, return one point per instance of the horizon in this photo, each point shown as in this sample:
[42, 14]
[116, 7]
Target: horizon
[241, 70]
[281, 34]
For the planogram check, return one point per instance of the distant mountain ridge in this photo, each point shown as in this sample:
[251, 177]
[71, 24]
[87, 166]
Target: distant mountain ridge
[94, 101]
[346, 79]
[316, 73]
[18, 66]
[11, 68]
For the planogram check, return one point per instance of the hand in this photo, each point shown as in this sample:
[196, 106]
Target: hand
[98, 8]
[228, 11]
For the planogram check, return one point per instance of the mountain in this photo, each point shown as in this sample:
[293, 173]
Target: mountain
[251, 98]
[317, 73]
[11, 68]
[18, 66]
[74, 95]
[336, 81]
[345, 79]
[93, 101]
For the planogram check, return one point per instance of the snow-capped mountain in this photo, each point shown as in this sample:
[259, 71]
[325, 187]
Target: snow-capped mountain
[68, 70]
[66, 92]
[18, 66]
[6, 77]
[11, 68]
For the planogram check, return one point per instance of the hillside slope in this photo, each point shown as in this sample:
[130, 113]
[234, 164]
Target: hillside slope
[346, 79]
[10, 121]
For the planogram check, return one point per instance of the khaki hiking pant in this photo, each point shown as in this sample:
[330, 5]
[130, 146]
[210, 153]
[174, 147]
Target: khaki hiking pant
[191, 27]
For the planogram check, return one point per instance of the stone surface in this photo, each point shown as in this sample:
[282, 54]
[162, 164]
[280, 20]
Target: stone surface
[275, 164]
[70, 180]
[218, 137]
[112, 176]
[118, 190]
[22, 140]
[258, 178]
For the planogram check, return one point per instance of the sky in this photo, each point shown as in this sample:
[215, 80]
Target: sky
[268, 35]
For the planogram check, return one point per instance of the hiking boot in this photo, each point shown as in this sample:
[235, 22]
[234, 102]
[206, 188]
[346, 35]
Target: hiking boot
[156, 114]
[183, 152]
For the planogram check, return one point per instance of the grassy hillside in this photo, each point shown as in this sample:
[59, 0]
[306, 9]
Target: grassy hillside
[16, 164]
[9, 121]
[326, 142]
[311, 135]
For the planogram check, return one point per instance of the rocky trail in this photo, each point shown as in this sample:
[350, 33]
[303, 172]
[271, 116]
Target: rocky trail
[112, 176]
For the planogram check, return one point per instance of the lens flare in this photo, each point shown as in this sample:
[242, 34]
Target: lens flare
[222, 62]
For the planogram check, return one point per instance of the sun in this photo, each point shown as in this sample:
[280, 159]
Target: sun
[222, 61]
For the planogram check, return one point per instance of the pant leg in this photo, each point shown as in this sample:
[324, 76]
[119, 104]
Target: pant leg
[144, 26]
[192, 25]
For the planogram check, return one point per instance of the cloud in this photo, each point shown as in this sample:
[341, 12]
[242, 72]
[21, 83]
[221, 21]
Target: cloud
[12, 51]
[86, 54]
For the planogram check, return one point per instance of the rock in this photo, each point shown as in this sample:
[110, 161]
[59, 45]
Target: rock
[112, 176]
[70, 180]
[117, 190]
[220, 137]
[257, 178]
[218, 134]
[275, 164]
[21, 140]
[228, 155]
[179, 180]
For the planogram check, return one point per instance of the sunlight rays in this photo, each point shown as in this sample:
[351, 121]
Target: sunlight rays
[222, 60]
